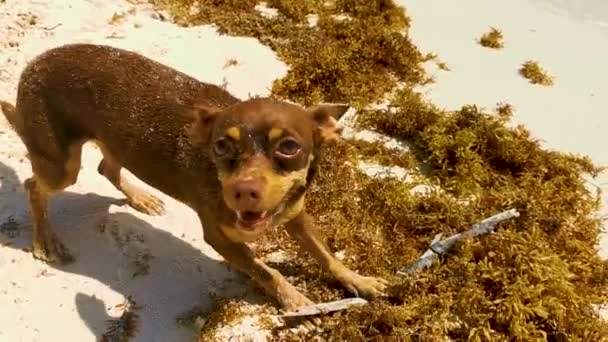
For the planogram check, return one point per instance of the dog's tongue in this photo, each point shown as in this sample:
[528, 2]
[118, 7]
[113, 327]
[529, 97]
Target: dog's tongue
[249, 219]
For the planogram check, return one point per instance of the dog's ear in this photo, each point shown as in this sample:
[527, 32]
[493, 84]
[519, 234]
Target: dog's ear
[200, 126]
[326, 117]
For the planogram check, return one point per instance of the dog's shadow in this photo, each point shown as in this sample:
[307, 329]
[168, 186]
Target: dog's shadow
[162, 273]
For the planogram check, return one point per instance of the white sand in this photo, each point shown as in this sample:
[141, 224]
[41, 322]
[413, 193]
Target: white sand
[42, 303]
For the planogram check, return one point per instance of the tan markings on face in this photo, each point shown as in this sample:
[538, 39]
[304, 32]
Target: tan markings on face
[298, 177]
[278, 186]
[234, 133]
[223, 177]
[256, 168]
[289, 213]
[274, 133]
[275, 186]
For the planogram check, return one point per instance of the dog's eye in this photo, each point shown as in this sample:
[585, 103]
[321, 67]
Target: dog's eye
[222, 147]
[288, 147]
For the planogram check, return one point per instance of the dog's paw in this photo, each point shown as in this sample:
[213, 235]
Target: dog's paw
[291, 299]
[51, 250]
[146, 203]
[365, 287]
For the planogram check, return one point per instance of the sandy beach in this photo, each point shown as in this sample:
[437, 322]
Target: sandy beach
[163, 261]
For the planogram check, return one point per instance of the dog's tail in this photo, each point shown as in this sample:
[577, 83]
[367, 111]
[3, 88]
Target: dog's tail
[10, 112]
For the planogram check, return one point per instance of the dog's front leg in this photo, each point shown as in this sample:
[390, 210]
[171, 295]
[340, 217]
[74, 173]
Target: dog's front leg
[240, 256]
[302, 229]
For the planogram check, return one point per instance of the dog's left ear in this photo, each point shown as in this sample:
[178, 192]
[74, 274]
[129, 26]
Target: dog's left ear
[326, 117]
[201, 119]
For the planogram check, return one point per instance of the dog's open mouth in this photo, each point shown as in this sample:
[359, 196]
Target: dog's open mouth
[251, 220]
[257, 220]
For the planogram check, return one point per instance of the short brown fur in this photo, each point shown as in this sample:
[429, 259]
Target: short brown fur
[164, 127]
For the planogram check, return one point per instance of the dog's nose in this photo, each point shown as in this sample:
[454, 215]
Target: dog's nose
[247, 193]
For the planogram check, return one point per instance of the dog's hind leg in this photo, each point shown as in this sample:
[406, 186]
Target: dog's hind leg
[50, 175]
[137, 198]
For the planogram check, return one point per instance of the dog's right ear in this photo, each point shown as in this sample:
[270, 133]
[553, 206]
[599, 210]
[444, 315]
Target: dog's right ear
[200, 127]
[326, 117]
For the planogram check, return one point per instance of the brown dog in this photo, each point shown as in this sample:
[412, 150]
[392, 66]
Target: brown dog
[243, 166]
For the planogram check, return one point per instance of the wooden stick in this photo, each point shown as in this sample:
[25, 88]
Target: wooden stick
[323, 308]
[440, 247]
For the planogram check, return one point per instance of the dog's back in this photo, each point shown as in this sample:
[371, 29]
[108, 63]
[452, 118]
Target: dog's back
[131, 104]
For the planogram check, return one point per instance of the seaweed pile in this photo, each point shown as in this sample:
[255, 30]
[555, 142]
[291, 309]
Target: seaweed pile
[536, 74]
[536, 278]
[492, 39]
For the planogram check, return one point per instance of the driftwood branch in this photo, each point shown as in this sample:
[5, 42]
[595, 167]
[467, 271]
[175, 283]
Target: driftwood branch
[440, 247]
[323, 308]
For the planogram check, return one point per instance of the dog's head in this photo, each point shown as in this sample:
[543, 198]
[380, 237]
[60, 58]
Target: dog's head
[264, 151]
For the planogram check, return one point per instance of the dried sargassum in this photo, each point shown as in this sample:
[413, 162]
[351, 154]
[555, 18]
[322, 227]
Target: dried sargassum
[537, 278]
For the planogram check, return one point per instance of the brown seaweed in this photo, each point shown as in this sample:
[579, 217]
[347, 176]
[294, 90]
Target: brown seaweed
[536, 277]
